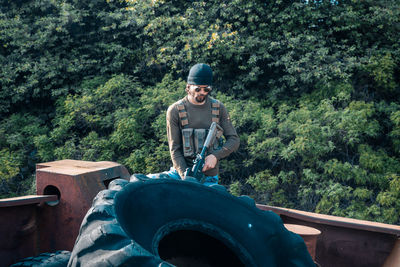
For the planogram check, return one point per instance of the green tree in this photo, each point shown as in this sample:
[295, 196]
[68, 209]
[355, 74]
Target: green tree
[312, 88]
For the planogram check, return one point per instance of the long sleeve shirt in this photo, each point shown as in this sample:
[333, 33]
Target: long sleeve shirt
[199, 117]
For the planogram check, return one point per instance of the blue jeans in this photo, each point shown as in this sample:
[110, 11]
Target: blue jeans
[173, 174]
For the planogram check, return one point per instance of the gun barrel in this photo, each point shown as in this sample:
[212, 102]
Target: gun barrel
[211, 134]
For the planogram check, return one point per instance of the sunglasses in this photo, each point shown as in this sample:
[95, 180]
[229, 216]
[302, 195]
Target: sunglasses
[205, 89]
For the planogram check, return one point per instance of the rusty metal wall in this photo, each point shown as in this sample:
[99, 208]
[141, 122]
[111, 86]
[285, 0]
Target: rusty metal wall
[30, 226]
[340, 246]
[78, 182]
[344, 241]
[19, 227]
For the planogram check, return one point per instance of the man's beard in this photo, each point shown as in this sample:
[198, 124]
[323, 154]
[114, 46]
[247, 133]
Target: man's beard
[200, 98]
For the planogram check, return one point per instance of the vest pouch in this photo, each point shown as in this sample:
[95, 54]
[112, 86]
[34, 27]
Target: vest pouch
[187, 140]
[199, 139]
[219, 140]
[218, 143]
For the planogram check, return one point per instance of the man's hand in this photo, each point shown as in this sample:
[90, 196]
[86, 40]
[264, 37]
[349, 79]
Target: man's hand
[209, 162]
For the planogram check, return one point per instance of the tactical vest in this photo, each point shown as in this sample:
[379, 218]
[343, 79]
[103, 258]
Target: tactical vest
[193, 139]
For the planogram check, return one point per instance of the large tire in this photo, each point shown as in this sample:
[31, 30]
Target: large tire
[56, 259]
[150, 221]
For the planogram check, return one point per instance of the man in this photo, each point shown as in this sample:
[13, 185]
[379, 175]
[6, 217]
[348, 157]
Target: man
[188, 121]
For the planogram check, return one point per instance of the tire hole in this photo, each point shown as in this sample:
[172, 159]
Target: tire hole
[193, 248]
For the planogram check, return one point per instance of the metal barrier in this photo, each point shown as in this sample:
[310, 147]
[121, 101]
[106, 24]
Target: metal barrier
[50, 221]
[346, 241]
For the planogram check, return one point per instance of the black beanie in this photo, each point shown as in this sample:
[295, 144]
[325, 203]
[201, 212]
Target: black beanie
[200, 74]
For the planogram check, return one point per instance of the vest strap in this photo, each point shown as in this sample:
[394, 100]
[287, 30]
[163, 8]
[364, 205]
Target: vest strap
[215, 106]
[182, 114]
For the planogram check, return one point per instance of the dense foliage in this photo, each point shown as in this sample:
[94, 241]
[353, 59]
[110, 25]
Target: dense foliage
[312, 88]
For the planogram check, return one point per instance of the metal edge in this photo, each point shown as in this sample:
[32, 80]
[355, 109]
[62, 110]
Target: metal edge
[334, 220]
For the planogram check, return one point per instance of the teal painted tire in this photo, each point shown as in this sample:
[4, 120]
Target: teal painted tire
[148, 222]
[56, 259]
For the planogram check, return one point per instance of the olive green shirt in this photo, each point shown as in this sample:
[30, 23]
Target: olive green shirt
[199, 117]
